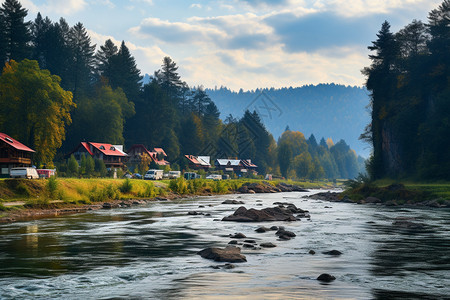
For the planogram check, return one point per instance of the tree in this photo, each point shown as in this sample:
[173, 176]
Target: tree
[83, 60]
[34, 108]
[108, 125]
[124, 72]
[169, 79]
[15, 32]
[104, 56]
[90, 166]
[100, 167]
[72, 166]
[284, 158]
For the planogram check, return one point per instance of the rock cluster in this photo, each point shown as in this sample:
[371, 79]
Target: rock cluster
[283, 212]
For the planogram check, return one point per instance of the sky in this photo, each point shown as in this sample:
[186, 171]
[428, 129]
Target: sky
[244, 44]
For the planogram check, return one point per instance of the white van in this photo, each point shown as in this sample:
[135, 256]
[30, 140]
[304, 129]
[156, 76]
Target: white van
[154, 174]
[24, 172]
[174, 174]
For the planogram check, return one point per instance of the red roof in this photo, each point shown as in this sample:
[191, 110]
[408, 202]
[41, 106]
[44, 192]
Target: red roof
[160, 150]
[86, 146]
[14, 143]
[107, 149]
[193, 159]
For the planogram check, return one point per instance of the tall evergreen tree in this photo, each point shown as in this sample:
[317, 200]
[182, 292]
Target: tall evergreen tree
[83, 61]
[15, 33]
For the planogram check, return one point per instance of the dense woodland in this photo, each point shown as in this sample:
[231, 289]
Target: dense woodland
[56, 90]
[409, 81]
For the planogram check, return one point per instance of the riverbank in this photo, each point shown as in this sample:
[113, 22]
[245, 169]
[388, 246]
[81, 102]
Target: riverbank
[22, 199]
[390, 193]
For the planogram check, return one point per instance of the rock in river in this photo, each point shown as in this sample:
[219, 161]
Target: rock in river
[326, 277]
[227, 254]
[333, 252]
[255, 215]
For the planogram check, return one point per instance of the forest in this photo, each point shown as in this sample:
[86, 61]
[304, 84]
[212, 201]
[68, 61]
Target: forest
[58, 89]
[409, 83]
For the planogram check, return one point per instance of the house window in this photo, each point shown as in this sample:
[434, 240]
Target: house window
[102, 147]
[112, 148]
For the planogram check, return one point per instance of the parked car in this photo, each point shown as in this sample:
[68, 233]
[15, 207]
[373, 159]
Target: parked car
[24, 172]
[225, 176]
[137, 176]
[154, 174]
[191, 175]
[214, 177]
[174, 174]
[128, 175]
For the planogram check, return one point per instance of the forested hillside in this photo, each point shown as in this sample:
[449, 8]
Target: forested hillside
[325, 110]
[409, 81]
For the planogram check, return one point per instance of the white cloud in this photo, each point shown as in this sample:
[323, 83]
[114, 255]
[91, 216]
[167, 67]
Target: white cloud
[195, 5]
[67, 7]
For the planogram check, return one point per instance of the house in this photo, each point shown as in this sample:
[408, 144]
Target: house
[236, 165]
[198, 162]
[112, 155]
[157, 155]
[13, 154]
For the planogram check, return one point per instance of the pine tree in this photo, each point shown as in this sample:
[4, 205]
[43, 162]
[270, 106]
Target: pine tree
[104, 57]
[83, 62]
[15, 33]
[39, 33]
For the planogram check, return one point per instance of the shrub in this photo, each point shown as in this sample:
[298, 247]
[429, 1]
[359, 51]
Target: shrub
[52, 186]
[149, 192]
[112, 192]
[220, 187]
[126, 186]
[178, 186]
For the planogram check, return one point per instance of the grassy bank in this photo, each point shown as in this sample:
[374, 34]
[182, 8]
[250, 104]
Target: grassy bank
[402, 192]
[53, 193]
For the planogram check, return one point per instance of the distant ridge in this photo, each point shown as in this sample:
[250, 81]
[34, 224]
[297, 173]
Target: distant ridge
[325, 110]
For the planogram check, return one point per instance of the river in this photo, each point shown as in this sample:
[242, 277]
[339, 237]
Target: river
[149, 252]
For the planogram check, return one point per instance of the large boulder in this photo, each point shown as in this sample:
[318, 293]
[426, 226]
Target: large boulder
[285, 187]
[227, 254]
[255, 215]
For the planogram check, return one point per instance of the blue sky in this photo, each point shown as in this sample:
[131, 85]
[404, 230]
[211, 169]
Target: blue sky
[242, 43]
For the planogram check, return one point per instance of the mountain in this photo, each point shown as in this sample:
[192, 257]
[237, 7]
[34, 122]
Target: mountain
[325, 110]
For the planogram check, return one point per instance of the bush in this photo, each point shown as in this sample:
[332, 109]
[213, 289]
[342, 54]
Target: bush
[112, 192]
[52, 186]
[178, 186]
[220, 187]
[126, 186]
[149, 192]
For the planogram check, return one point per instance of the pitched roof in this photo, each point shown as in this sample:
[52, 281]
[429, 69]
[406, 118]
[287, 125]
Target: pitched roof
[199, 160]
[160, 150]
[226, 162]
[108, 149]
[14, 143]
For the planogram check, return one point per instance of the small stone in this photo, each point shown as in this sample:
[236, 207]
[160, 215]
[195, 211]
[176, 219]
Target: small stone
[326, 277]
[250, 241]
[238, 236]
[312, 252]
[333, 252]
[233, 242]
[274, 228]
[267, 245]
[262, 229]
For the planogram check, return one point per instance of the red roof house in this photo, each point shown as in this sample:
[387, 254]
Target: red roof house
[112, 155]
[157, 155]
[13, 154]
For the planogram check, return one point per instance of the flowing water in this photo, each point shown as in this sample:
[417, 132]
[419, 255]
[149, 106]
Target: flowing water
[150, 252]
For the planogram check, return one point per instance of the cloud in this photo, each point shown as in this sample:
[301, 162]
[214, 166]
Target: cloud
[67, 7]
[195, 5]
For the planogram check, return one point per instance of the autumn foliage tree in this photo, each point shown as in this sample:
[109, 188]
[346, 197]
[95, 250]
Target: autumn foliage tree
[34, 108]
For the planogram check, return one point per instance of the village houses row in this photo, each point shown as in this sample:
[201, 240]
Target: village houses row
[15, 154]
